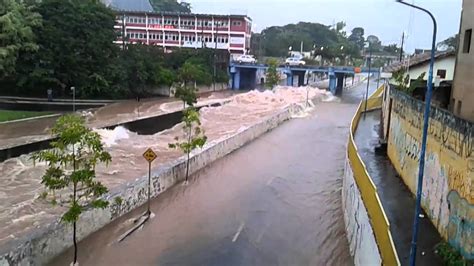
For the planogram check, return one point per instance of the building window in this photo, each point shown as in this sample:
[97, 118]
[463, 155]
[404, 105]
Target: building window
[458, 109]
[441, 73]
[467, 41]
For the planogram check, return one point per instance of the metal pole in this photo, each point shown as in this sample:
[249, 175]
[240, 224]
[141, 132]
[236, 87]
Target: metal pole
[149, 185]
[73, 99]
[401, 48]
[378, 78]
[368, 81]
[426, 117]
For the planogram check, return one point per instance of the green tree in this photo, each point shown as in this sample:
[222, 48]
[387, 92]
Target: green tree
[272, 74]
[170, 6]
[402, 80]
[450, 43]
[276, 40]
[16, 33]
[190, 74]
[76, 48]
[339, 28]
[357, 37]
[391, 49]
[142, 69]
[375, 43]
[193, 138]
[71, 165]
[403, 83]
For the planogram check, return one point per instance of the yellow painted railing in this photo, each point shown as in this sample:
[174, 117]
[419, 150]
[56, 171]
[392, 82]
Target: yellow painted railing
[368, 190]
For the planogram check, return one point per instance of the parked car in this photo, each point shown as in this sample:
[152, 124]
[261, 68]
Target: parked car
[245, 58]
[294, 61]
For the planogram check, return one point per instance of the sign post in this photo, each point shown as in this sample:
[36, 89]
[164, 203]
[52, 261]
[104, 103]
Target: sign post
[150, 156]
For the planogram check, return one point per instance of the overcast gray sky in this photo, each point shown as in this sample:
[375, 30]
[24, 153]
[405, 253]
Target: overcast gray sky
[383, 18]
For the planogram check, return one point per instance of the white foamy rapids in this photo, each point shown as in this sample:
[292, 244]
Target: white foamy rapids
[110, 137]
[331, 98]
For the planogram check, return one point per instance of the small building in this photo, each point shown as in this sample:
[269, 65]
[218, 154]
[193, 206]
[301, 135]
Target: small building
[443, 73]
[417, 64]
[171, 30]
[462, 94]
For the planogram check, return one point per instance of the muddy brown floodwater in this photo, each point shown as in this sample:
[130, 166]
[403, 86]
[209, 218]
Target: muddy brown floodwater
[21, 212]
[275, 201]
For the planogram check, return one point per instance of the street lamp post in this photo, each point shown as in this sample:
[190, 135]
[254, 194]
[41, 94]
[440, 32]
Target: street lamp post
[368, 81]
[322, 59]
[426, 118]
[73, 89]
[343, 56]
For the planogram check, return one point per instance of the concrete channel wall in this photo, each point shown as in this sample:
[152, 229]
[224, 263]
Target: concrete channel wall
[362, 244]
[448, 183]
[367, 226]
[40, 247]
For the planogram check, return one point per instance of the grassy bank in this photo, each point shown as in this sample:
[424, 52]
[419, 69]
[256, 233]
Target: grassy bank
[7, 115]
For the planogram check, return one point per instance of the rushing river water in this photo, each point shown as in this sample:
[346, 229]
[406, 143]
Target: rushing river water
[276, 201]
[21, 212]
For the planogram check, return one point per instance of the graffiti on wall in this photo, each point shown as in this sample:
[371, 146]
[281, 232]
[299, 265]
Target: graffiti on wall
[461, 224]
[448, 196]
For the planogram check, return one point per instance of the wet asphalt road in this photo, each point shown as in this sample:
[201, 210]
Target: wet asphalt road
[275, 201]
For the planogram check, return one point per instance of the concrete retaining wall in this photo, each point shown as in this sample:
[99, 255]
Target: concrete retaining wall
[448, 182]
[362, 244]
[41, 246]
[367, 225]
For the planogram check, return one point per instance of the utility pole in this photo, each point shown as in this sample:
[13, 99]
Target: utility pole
[301, 47]
[401, 48]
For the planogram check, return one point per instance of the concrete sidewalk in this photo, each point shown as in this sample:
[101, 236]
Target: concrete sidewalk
[397, 200]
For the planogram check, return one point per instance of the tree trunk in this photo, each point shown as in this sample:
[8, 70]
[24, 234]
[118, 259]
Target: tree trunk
[189, 152]
[187, 167]
[75, 242]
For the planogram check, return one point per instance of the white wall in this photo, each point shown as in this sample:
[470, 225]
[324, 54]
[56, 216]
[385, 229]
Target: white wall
[362, 245]
[446, 63]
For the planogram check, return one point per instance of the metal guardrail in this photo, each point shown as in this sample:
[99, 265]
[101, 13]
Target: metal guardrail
[368, 190]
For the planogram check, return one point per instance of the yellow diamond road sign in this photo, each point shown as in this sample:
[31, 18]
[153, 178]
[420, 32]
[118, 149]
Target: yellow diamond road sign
[149, 155]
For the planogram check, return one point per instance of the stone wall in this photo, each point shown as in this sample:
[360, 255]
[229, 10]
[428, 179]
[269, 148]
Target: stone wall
[40, 247]
[362, 244]
[448, 184]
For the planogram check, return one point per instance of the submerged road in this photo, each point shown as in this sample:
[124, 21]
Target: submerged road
[275, 201]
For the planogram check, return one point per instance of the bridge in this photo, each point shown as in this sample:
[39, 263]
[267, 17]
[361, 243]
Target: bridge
[247, 75]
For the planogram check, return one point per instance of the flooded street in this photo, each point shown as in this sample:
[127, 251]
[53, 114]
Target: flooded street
[276, 201]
